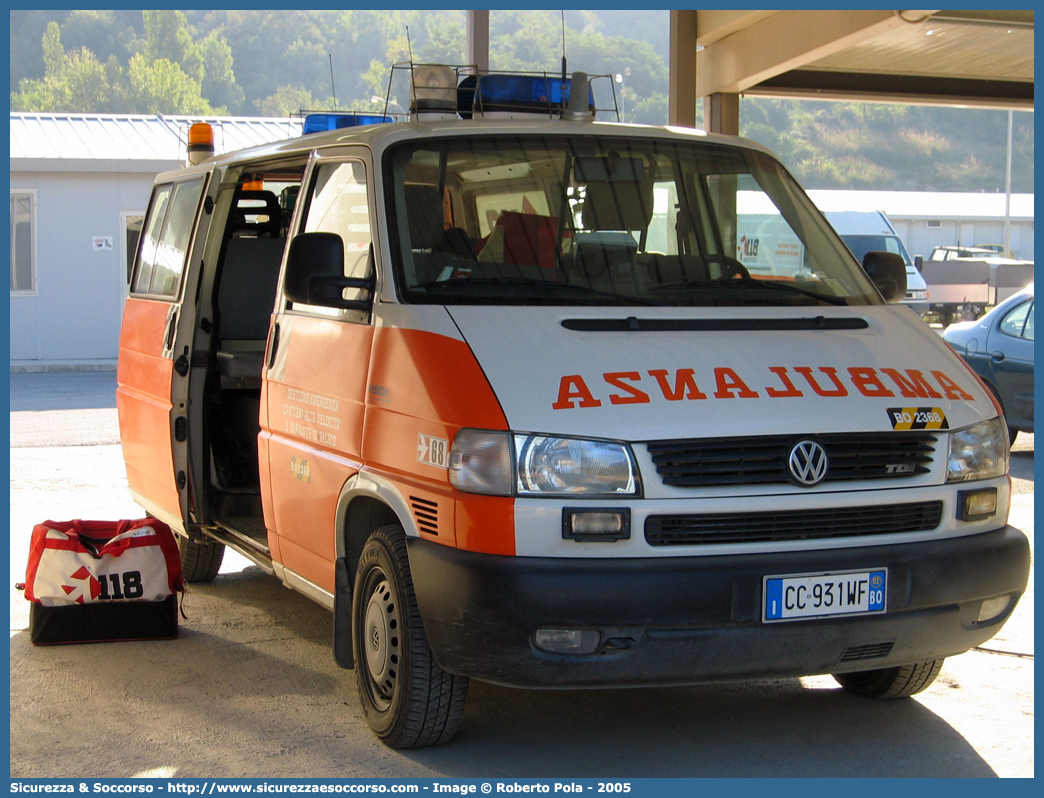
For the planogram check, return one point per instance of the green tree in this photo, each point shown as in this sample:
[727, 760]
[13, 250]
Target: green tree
[377, 77]
[526, 40]
[73, 82]
[259, 42]
[167, 36]
[26, 30]
[163, 87]
[286, 101]
[219, 80]
[98, 31]
[651, 110]
[445, 38]
[53, 51]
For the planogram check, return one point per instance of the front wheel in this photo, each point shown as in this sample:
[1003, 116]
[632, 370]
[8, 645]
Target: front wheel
[408, 700]
[899, 682]
[200, 559]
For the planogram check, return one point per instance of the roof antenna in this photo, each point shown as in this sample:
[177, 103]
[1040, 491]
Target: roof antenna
[333, 89]
[563, 47]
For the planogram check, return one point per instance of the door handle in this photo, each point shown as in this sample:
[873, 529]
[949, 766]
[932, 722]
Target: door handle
[997, 356]
[273, 345]
[172, 328]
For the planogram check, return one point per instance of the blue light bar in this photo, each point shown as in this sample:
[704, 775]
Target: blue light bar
[314, 123]
[519, 93]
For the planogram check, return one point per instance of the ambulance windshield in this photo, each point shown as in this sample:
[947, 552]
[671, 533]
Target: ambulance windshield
[608, 221]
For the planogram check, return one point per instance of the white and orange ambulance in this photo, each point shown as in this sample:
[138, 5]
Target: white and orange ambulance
[491, 384]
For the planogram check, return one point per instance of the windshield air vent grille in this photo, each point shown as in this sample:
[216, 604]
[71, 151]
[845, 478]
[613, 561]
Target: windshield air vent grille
[634, 324]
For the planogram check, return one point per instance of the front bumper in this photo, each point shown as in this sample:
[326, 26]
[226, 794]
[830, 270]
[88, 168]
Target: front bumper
[689, 620]
[918, 306]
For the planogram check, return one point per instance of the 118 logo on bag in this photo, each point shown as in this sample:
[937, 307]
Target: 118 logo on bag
[111, 587]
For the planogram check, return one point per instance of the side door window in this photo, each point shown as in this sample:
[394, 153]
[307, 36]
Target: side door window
[165, 240]
[337, 203]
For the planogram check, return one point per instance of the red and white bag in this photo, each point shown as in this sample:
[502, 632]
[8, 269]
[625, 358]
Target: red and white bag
[93, 581]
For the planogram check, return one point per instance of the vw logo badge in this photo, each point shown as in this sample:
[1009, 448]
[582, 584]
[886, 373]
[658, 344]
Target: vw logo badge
[808, 463]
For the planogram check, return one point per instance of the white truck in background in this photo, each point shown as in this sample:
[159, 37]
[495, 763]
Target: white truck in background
[766, 245]
[870, 231]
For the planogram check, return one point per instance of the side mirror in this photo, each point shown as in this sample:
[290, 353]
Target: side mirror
[315, 273]
[887, 271]
[918, 262]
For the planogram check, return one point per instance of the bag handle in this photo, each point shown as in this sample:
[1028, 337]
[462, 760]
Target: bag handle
[95, 535]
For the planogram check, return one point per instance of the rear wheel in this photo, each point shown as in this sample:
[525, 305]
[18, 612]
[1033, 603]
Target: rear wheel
[200, 559]
[408, 700]
[899, 682]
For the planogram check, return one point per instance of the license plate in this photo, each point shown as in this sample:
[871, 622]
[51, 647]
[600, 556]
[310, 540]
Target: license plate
[824, 595]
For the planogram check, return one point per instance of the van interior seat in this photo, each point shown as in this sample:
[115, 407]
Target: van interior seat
[523, 239]
[675, 269]
[257, 213]
[620, 205]
[245, 300]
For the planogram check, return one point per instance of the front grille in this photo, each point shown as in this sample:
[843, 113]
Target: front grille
[839, 522]
[704, 462]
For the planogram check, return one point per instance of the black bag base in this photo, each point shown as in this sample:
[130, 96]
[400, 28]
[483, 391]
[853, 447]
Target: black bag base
[106, 622]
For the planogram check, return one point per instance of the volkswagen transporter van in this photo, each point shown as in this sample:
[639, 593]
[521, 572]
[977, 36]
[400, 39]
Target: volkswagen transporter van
[491, 385]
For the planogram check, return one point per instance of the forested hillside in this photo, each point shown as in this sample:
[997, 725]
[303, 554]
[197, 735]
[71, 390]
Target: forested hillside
[275, 63]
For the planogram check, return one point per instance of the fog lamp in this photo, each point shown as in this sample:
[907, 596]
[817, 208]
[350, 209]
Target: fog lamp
[993, 608]
[976, 505]
[568, 641]
[596, 525]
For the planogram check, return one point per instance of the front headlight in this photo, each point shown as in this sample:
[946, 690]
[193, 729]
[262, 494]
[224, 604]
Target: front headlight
[573, 466]
[979, 452]
[500, 464]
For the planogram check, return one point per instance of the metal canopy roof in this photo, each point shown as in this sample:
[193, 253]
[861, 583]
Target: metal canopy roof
[963, 57]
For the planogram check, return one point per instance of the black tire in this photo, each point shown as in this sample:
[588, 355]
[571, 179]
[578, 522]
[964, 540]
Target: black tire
[200, 559]
[408, 700]
[899, 682]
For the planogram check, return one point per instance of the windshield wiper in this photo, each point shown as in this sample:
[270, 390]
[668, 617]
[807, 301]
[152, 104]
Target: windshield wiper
[472, 285]
[769, 285]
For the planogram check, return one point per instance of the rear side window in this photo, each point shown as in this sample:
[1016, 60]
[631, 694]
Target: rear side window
[165, 239]
[1019, 322]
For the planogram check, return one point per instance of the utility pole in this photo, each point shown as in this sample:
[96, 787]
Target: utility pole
[1007, 193]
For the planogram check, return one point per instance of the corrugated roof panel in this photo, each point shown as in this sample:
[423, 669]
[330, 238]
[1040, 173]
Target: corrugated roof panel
[134, 137]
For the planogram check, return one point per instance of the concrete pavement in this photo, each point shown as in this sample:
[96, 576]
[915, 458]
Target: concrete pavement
[250, 687]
